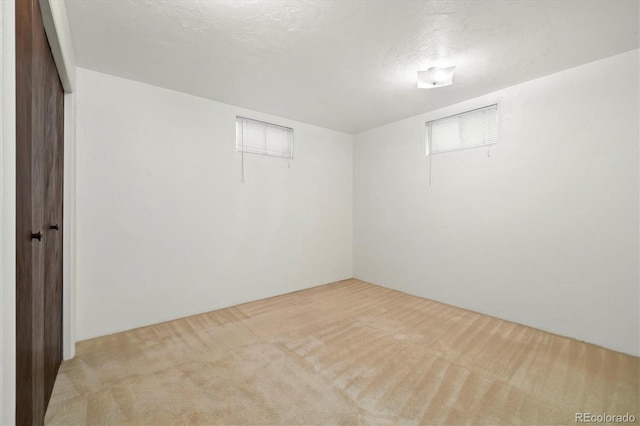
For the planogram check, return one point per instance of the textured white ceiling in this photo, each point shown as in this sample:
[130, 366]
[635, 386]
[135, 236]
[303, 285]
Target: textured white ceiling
[345, 65]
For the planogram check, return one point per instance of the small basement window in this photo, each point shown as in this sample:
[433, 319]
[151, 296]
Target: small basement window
[466, 130]
[259, 137]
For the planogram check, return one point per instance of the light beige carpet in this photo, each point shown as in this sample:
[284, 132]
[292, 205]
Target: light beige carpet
[343, 353]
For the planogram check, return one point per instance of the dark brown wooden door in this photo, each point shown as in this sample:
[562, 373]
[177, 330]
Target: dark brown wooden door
[39, 172]
[54, 156]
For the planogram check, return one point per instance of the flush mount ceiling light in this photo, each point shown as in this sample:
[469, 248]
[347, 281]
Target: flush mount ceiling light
[435, 77]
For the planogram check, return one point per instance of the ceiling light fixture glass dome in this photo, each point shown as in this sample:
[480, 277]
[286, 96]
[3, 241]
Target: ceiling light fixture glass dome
[435, 77]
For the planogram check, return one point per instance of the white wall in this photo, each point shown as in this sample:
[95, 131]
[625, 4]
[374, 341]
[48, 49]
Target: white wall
[7, 213]
[166, 229]
[543, 233]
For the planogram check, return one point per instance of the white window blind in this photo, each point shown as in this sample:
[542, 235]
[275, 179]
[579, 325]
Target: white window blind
[258, 137]
[467, 130]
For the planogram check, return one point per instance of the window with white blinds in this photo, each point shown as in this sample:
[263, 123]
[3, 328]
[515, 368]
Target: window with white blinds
[258, 137]
[467, 130]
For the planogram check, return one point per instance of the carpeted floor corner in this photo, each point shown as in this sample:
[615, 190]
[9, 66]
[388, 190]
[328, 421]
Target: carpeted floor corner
[347, 353]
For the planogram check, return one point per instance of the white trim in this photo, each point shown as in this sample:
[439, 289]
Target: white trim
[56, 25]
[7, 214]
[69, 230]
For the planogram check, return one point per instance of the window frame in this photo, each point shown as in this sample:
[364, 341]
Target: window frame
[429, 127]
[242, 149]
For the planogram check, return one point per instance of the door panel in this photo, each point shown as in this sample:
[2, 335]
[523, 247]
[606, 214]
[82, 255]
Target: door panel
[39, 121]
[54, 134]
[29, 215]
